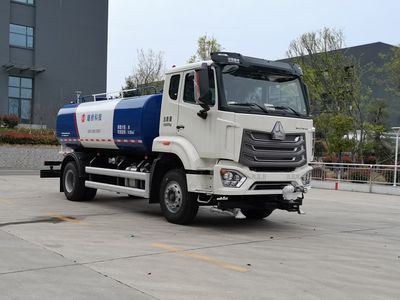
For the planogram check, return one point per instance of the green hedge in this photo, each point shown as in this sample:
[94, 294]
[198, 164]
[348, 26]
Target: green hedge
[28, 136]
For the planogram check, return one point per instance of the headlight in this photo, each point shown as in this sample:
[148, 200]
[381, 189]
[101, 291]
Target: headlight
[306, 178]
[231, 178]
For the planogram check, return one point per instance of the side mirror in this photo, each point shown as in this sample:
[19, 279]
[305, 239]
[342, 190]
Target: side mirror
[202, 90]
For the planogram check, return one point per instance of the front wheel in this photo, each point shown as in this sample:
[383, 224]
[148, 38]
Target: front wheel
[177, 204]
[74, 186]
[257, 213]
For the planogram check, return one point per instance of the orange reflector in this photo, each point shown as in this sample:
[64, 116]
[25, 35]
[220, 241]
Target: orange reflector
[166, 143]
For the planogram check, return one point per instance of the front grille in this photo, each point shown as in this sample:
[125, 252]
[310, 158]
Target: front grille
[268, 185]
[260, 152]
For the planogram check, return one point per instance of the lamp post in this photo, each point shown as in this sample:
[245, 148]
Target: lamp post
[397, 130]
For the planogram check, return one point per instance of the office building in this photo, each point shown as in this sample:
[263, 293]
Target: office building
[49, 50]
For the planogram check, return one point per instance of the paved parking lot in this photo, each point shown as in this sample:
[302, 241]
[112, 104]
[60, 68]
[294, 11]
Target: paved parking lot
[347, 246]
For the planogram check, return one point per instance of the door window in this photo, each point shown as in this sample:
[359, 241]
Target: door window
[174, 87]
[189, 93]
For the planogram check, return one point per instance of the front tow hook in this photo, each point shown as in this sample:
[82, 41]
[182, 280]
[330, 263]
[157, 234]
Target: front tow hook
[290, 195]
[301, 212]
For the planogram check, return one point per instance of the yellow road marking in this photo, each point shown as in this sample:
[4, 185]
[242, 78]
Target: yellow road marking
[66, 219]
[201, 258]
[5, 201]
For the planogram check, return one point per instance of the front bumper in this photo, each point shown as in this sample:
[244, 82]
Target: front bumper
[260, 183]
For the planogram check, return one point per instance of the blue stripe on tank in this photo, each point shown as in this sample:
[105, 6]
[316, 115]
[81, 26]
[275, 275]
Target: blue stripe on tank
[136, 123]
[66, 122]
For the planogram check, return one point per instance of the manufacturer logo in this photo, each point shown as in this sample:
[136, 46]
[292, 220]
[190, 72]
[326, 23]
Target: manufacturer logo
[91, 117]
[278, 133]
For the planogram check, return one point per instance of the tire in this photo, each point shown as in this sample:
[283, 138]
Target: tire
[74, 187]
[177, 204]
[256, 213]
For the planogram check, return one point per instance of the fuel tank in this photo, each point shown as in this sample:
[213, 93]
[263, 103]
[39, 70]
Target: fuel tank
[129, 124]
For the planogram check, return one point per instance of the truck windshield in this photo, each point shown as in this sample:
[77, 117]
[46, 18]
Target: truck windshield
[263, 92]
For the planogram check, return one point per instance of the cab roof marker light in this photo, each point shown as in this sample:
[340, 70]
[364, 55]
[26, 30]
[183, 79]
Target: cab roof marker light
[233, 60]
[226, 57]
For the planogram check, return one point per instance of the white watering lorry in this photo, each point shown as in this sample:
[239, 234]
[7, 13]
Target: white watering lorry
[233, 132]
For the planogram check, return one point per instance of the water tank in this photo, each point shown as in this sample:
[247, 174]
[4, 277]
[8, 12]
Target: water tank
[129, 124]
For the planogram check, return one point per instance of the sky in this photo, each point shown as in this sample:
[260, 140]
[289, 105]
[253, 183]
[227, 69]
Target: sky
[251, 27]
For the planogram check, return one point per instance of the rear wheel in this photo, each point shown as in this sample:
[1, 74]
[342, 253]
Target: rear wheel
[74, 186]
[177, 204]
[256, 213]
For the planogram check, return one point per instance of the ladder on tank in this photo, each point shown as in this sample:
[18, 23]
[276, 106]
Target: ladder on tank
[124, 93]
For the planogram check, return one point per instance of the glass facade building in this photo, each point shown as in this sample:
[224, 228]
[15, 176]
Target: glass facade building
[48, 51]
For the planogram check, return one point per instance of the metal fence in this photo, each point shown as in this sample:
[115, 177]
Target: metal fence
[356, 173]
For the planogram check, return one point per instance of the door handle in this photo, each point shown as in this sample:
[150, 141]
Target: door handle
[180, 127]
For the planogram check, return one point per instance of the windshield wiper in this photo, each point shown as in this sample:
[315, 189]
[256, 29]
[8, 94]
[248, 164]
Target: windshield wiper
[290, 109]
[251, 104]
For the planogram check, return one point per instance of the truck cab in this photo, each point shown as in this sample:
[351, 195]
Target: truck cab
[242, 130]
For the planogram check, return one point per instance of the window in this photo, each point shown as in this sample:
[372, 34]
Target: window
[260, 91]
[174, 87]
[20, 97]
[188, 93]
[21, 36]
[30, 2]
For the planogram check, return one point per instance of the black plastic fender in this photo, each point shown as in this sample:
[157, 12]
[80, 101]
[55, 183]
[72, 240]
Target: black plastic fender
[82, 159]
[160, 166]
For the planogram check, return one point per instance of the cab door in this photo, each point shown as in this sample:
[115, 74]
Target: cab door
[201, 133]
[170, 105]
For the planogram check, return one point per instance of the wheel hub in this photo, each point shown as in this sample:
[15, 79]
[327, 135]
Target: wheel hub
[173, 196]
[69, 181]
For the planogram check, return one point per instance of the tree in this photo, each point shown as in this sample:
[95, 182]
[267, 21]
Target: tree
[332, 77]
[205, 46]
[334, 81]
[334, 129]
[148, 70]
[392, 68]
